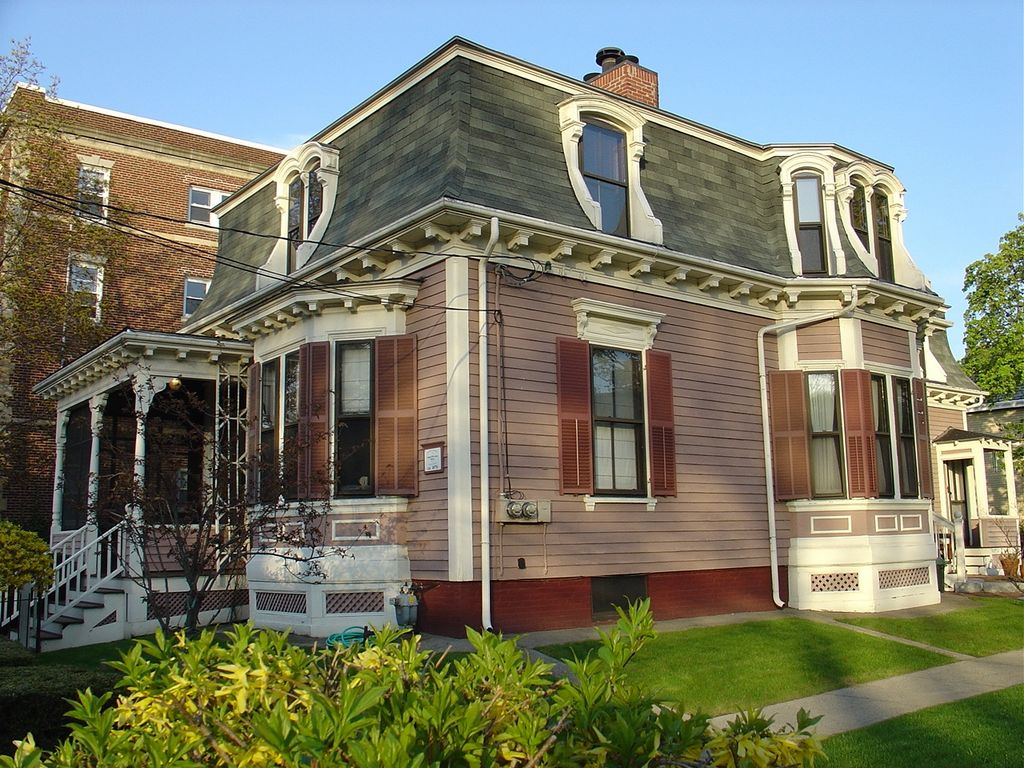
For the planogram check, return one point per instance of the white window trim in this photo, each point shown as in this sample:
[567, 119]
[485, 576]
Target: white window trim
[299, 161]
[619, 327]
[812, 164]
[102, 166]
[905, 272]
[87, 260]
[185, 296]
[643, 225]
[217, 196]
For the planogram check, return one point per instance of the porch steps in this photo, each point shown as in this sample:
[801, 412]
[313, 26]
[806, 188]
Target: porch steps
[96, 619]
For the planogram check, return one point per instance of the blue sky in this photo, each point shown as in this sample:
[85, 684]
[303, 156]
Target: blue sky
[931, 87]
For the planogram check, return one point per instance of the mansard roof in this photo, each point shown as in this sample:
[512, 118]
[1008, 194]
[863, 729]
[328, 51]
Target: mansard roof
[471, 125]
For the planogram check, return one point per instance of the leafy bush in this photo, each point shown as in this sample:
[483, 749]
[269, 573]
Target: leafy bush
[255, 700]
[35, 698]
[14, 654]
[24, 558]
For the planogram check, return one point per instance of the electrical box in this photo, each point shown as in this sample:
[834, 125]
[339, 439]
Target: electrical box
[524, 511]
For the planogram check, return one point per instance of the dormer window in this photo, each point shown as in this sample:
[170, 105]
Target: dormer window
[883, 236]
[603, 164]
[810, 225]
[305, 204]
[859, 215]
[603, 141]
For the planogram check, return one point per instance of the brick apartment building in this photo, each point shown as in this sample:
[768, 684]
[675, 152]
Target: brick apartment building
[126, 164]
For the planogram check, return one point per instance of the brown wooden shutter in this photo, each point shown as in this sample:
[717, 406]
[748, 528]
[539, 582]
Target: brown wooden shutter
[924, 443]
[575, 428]
[858, 418]
[662, 428]
[252, 434]
[787, 410]
[313, 469]
[395, 429]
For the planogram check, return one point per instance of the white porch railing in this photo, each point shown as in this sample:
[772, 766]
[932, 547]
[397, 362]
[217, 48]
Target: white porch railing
[82, 565]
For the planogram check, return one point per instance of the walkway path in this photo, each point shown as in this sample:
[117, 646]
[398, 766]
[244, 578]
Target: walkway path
[845, 709]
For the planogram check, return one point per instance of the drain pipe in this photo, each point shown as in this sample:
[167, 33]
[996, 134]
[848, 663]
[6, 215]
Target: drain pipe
[766, 435]
[485, 435]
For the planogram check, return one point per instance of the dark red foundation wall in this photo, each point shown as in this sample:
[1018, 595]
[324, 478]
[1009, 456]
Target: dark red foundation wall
[446, 608]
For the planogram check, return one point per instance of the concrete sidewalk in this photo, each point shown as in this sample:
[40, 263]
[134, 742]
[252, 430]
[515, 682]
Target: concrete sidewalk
[847, 709]
[844, 709]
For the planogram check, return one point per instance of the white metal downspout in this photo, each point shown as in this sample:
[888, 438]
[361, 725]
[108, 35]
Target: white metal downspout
[762, 376]
[485, 437]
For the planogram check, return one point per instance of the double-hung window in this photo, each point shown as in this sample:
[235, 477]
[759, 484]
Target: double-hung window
[195, 292]
[616, 425]
[839, 434]
[201, 201]
[859, 215]
[353, 422]
[305, 205]
[603, 164]
[85, 283]
[883, 236]
[618, 412]
[810, 225]
[93, 191]
[825, 428]
[374, 427]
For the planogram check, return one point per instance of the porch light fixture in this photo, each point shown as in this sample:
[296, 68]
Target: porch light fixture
[174, 384]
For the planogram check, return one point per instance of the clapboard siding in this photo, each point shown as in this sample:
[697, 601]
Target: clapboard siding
[885, 344]
[939, 420]
[719, 517]
[820, 341]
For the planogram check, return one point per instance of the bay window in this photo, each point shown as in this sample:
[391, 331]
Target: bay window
[825, 435]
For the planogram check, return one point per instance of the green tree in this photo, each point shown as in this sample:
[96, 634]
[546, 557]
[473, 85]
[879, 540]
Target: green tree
[24, 558]
[994, 335]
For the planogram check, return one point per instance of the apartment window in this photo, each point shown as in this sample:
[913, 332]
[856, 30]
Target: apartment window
[883, 236]
[200, 204]
[883, 435]
[825, 430]
[305, 205]
[810, 228]
[195, 292]
[605, 436]
[906, 456]
[85, 284]
[93, 191]
[353, 421]
[603, 164]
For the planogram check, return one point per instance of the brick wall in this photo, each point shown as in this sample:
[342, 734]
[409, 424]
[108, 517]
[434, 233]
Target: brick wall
[630, 80]
[153, 169]
[544, 604]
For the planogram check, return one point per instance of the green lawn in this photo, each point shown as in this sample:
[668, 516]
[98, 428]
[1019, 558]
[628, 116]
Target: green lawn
[727, 668]
[990, 625]
[981, 731]
[89, 656]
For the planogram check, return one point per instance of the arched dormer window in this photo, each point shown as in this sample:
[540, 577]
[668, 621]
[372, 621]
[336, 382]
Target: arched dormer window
[603, 165]
[810, 225]
[809, 210]
[859, 214]
[305, 204]
[306, 186]
[603, 143]
[883, 236]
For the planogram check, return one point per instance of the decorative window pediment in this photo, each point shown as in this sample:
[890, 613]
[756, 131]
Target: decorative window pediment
[306, 184]
[608, 117]
[802, 234]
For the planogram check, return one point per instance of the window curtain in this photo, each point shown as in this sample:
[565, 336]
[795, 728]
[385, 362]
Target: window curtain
[826, 471]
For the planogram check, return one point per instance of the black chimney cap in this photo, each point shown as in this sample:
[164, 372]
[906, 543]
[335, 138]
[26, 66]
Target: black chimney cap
[609, 53]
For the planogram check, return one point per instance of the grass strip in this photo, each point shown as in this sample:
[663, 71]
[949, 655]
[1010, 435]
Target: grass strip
[980, 731]
[737, 666]
[989, 625]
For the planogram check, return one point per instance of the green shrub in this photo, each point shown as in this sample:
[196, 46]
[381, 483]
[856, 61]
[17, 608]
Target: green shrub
[14, 654]
[36, 698]
[254, 700]
[24, 558]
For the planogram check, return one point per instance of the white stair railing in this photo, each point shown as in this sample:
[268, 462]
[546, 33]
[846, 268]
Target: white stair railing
[62, 557]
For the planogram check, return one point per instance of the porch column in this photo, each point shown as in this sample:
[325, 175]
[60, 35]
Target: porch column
[1011, 485]
[97, 405]
[144, 386]
[58, 472]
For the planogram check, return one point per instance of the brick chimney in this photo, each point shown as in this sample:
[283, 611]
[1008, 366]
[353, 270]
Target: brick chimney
[623, 75]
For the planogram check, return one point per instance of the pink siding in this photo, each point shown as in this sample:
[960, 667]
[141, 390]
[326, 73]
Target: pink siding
[819, 341]
[717, 520]
[884, 344]
[939, 420]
